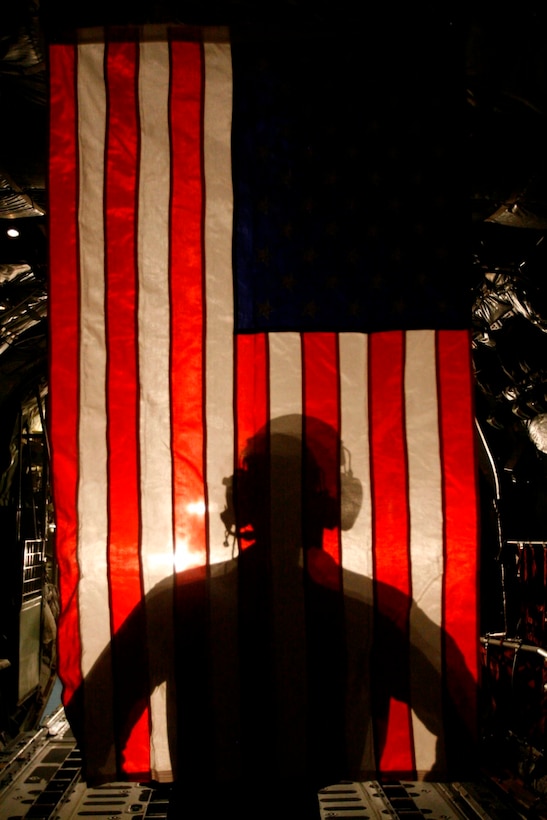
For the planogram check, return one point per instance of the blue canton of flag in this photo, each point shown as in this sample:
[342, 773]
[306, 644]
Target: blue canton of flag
[348, 192]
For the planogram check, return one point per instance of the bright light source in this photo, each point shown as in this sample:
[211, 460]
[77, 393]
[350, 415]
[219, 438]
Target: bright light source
[13, 232]
[196, 508]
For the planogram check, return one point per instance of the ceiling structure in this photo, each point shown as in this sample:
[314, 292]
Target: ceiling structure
[504, 68]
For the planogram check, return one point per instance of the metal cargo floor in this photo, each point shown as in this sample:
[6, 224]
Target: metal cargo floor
[40, 778]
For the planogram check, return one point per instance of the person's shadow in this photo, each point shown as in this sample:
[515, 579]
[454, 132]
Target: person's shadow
[284, 665]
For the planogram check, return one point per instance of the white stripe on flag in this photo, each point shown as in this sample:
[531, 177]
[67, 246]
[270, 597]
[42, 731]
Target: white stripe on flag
[153, 316]
[426, 525]
[219, 371]
[219, 400]
[285, 374]
[288, 616]
[356, 542]
[357, 545]
[93, 587]
[93, 597]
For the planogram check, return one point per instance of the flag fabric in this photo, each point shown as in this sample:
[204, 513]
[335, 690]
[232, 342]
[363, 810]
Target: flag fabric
[261, 408]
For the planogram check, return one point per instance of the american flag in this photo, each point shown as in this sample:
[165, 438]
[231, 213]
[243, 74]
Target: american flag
[261, 407]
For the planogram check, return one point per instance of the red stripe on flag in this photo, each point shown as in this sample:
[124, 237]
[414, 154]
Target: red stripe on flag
[187, 303]
[125, 583]
[251, 389]
[64, 316]
[187, 381]
[460, 598]
[390, 520]
[251, 398]
[321, 400]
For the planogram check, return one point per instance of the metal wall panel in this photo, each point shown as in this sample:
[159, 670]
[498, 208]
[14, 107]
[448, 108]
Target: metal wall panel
[29, 647]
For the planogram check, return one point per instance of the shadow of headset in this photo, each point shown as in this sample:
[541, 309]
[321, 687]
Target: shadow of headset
[245, 494]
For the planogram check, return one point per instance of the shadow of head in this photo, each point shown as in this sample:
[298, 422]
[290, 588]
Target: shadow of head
[295, 473]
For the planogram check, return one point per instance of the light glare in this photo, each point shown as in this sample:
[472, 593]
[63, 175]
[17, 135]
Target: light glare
[196, 508]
